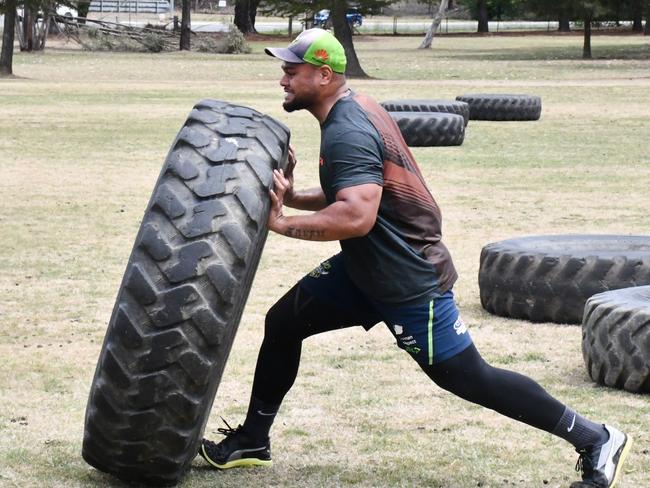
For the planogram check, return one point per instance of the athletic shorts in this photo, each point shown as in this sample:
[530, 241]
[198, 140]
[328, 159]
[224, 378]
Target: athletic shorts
[431, 331]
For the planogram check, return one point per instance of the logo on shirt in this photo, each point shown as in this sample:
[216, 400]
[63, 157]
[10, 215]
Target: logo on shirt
[321, 161]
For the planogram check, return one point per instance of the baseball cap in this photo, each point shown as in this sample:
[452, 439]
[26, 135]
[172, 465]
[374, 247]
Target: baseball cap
[313, 46]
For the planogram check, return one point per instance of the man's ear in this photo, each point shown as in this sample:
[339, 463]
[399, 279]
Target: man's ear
[326, 75]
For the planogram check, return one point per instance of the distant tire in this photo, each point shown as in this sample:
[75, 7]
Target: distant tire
[616, 339]
[445, 106]
[549, 278]
[182, 295]
[493, 106]
[423, 129]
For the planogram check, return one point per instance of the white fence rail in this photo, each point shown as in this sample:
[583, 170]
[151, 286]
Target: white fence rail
[131, 6]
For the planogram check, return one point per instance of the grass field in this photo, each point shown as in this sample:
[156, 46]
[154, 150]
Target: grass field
[82, 139]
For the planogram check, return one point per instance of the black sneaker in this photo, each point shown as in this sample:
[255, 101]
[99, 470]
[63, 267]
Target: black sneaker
[601, 465]
[236, 450]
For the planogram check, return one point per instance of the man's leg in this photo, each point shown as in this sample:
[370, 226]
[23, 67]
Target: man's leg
[323, 300]
[511, 394]
[602, 448]
[296, 316]
[437, 339]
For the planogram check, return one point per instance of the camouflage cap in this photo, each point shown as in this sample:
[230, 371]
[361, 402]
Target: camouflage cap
[313, 46]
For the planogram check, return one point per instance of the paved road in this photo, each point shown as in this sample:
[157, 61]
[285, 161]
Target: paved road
[371, 26]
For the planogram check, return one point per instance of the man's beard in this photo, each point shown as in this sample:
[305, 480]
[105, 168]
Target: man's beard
[297, 103]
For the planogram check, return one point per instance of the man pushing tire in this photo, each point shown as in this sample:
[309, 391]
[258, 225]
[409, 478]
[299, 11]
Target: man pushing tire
[392, 268]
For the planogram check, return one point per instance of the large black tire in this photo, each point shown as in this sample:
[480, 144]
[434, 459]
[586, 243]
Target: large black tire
[445, 106]
[492, 106]
[549, 278]
[182, 294]
[616, 338]
[424, 129]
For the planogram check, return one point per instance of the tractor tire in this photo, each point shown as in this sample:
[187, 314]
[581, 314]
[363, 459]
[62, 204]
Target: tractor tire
[182, 295]
[424, 129]
[502, 107]
[549, 278]
[444, 106]
[616, 339]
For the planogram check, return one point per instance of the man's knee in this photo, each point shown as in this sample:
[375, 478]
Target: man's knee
[283, 320]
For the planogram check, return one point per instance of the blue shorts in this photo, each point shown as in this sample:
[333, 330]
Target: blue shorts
[430, 332]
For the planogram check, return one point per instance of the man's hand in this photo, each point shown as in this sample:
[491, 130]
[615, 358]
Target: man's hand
[280, 186]
[288, 175]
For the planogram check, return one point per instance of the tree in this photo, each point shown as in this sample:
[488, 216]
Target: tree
[588, 15]
[437, 18]
[186, 30]
[343, 32]
[484, 10]
[637, 15]
[245, 13]
[481, 7]
[32, 31]
[7, 51]
[564, 19]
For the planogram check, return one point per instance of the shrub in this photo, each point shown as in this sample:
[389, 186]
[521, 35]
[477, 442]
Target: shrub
[153, 42]
[233, 42]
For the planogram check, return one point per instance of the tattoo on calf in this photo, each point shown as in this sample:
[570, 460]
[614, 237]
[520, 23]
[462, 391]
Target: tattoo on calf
[308, 234]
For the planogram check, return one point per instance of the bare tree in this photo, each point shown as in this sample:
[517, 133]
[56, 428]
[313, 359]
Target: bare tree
[433, 28]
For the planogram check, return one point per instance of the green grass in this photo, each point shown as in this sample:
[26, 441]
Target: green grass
[83, 139]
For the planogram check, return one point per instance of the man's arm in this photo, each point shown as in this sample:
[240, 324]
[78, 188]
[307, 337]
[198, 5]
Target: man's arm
[353, 214]
[312, 199]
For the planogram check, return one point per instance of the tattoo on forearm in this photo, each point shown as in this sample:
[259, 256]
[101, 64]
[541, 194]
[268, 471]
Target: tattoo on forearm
[309, 234]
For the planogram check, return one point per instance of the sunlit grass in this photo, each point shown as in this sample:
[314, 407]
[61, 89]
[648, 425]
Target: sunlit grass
[83, 136]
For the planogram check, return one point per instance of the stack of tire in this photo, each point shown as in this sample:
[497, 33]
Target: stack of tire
[599, 281]
[425, 123]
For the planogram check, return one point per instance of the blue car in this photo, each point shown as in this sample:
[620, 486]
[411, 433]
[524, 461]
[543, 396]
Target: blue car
[355, 19]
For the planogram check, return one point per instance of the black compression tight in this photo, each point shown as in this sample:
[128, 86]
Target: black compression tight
[468, 376]
[298, 315]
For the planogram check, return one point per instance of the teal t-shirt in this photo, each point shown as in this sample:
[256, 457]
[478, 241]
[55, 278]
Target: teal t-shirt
[402, 259]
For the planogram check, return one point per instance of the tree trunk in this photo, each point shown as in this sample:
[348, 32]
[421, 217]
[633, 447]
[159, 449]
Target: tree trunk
[564, 21]
[586, 47]
[637, 16]
[481, 7]
[343, 33]
[428, 39]
[253, 13]
[245, 13]
[28, 30]
[186, 30]
[7, 52]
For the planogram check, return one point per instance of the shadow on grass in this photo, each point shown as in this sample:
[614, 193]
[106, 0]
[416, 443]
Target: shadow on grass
[550, 53]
